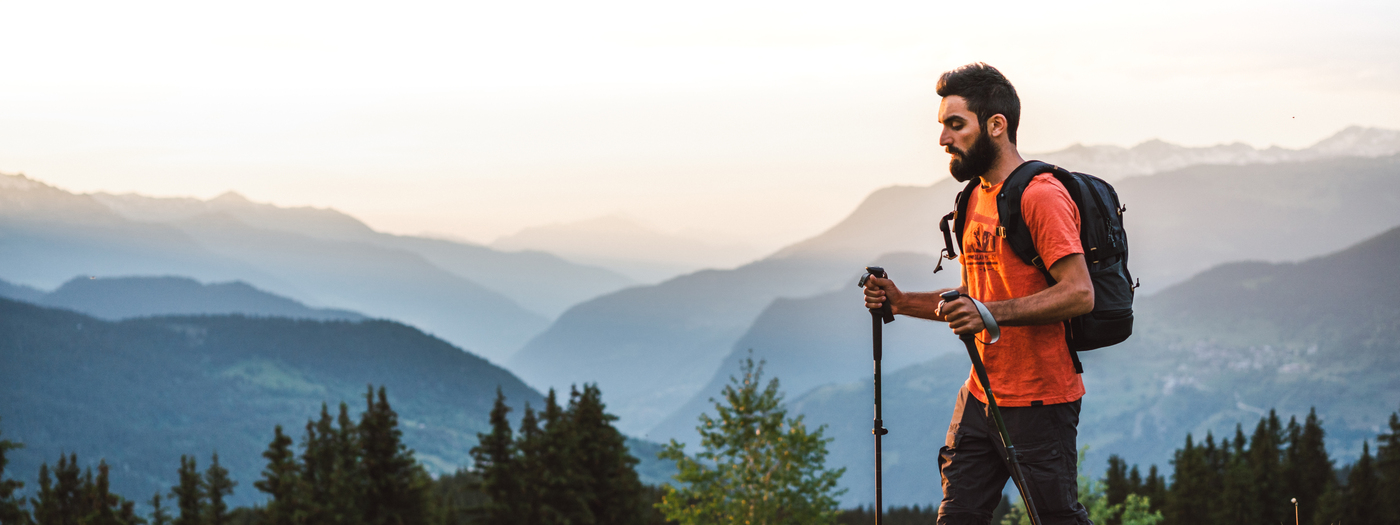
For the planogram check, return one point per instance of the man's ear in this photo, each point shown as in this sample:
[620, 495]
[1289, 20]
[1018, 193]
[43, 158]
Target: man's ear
[996, 125]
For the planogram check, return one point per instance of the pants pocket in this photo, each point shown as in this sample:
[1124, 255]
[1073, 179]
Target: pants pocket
[1051, 476]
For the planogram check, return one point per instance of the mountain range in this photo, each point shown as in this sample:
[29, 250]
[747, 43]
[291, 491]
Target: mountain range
[115, 298]
[662, 344]
[1155, 156]
[318, 257]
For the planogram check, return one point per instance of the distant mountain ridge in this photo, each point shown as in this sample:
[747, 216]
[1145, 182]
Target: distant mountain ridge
[116, 298]
[1156, 156]
[317, 257]
[625, 245]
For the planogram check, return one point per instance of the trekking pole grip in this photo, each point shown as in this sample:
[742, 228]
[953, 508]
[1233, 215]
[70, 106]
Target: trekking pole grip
[886, 310]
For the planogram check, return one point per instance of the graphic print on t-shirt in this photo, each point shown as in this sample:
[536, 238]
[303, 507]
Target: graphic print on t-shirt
[980, 243]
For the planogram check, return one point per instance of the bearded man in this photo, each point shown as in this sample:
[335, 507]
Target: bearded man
[1031, 369]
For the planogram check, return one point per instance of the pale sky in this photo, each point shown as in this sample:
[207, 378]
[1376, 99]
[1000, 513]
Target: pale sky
[761, 122]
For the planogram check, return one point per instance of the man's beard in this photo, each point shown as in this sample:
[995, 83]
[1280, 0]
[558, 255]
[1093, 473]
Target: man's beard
[974, 162]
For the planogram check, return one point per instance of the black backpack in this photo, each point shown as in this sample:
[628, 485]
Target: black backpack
[1101, 233]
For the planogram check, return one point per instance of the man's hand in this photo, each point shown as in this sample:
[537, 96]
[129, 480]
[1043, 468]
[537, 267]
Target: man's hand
[878, 290]
[962, 316]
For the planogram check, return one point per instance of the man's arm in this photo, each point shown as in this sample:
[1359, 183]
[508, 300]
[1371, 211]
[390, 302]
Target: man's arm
[1071, 295]
[923, 305]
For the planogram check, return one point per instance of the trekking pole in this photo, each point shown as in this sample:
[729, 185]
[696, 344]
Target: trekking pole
[884, 313]
[969, 340]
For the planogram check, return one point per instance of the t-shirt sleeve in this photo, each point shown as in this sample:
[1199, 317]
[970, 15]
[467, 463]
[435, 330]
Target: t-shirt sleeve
[1052, 217]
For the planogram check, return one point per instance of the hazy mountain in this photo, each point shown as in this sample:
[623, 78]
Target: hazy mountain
[1220, 348]
[626, 246]
[662, 344]
[1155, 156]
[114, 298]
[825, 338]
[317, 257]
[142, 392]
[158, 387]
[541, 282]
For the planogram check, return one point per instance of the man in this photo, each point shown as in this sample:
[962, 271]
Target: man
[1030, 368]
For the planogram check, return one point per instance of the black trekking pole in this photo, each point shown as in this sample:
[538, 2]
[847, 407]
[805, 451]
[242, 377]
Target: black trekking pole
[884, 313]
[969, 340]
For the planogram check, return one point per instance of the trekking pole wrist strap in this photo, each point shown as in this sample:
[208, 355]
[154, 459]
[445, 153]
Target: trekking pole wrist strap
[993, 331]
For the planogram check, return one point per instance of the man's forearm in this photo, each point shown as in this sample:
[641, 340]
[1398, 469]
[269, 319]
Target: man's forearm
[923, 305]
[1051, 305]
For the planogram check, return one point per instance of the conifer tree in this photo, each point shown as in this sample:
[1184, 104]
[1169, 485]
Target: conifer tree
[217, 485]
[1361, 498]
[1155, 488]
[613, 491]
[158, 514]
[189, 494]
[1312, 466]
[495, 461]
[11, 506]
[349, 482]
[561, 486]
[1388, 468]
[1190, 494]
[1116, 486]
[45, 503]
[756, 466]
[397, 488]
[530, 474]
[318, 460]
[1236, 498]
[281, 481]
[1270, 500]
[64, 502]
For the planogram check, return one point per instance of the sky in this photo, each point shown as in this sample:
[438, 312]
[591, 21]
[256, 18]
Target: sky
[747, 121]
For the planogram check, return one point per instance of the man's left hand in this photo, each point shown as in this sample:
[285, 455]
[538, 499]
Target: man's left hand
[962, 316]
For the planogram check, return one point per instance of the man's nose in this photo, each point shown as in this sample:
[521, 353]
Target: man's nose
[945, 138]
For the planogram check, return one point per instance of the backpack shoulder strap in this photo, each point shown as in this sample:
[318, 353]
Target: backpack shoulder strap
[1013, 229]
[958, 218]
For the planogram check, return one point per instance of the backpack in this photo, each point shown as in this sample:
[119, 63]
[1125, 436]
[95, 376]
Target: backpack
[1100, 232]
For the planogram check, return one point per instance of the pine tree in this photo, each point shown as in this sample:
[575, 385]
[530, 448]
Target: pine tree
[614, 493]
[158, 514]
[1237, 497]
[495, 461]
[217, 485]
[530, 475]
[1155, 488]
[756, 466]
[1190, 494]
[281, 481]
[561, 486]
[397, 489]
[67, 495]
[1312, 466]
[349, 482]
[1270, 500]
[1116, 486]
[46, 502]
[1388, 468]
[11, 506]
[318, 460]
[1361, 498]
[189, 494]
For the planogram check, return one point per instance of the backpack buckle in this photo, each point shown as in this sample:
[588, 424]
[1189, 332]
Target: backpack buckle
[1001, 231]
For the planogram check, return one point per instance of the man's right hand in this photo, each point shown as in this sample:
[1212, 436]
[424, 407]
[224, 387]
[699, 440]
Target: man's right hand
[878, 290]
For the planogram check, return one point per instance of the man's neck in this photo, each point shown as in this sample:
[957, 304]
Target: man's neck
[1007, 162]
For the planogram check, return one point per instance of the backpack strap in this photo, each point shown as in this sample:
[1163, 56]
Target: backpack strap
[959, 219]
[1012, 226]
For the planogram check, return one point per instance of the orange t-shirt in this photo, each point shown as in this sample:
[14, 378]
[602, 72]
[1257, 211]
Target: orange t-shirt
[1029, 363]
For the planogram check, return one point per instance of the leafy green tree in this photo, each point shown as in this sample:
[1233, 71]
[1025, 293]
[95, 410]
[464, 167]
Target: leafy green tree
[281, 481]
[11, 506]
[158, 514]
[396, 490]
[189, 494]
[613, 492]
[757, 466]
[217, 485]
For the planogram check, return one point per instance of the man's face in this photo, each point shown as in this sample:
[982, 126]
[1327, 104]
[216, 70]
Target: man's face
[971, 147]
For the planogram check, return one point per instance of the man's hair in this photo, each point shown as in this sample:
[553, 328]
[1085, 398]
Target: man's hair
[987, 93]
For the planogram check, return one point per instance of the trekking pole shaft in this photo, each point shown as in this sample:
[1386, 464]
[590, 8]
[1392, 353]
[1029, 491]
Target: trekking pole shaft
[1012, 463]
[877, 331]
